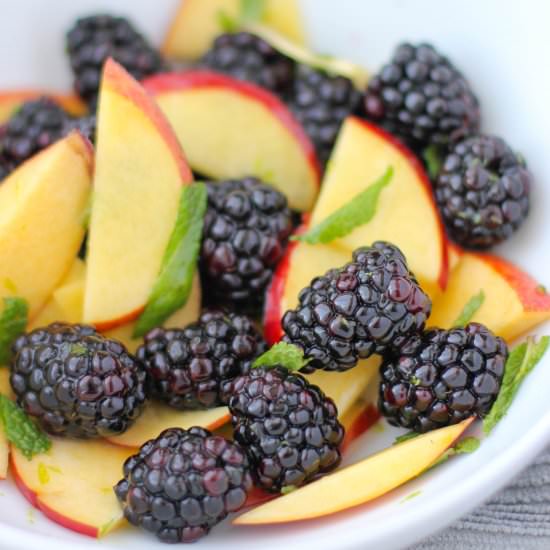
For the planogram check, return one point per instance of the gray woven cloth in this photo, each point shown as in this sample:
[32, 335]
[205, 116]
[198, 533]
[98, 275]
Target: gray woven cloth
[517, 518]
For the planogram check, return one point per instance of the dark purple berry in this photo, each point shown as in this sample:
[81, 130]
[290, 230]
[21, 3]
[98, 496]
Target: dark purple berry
[441, 377]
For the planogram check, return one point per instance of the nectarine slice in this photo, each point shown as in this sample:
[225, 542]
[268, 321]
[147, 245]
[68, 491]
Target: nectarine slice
[230, 129]
[73, 483]
[364, 481]
[158, 417]
[406, 214]
[514, 302]
[140, 170]
[42, 207]
[198, 22]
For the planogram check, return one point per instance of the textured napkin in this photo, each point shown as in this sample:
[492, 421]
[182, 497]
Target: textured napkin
[516, 518]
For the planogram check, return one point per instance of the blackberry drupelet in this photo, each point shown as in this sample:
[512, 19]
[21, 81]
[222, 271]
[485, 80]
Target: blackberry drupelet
[94, 39]
[289, 429]
[370, 305]
[321, 102]
[192, 368]
[34, 126]
[76, 382]
[422, 98]
[182, 483]
[246, 229]
[86, 125]
[441, 377]
[245, 56]
[483, 191]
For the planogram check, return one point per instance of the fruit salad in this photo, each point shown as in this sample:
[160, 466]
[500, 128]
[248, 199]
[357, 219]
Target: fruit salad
[226, 257]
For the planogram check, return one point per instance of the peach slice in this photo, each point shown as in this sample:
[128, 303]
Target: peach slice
[72, 484]
[514, 302]
[197, 23]
[42, 208]
[11, 100]
[251, 131]
[158, 417]
[140, 170]
[406, 214]
[364, 481]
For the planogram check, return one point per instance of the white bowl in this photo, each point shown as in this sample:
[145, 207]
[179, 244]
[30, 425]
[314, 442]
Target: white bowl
[503, 47]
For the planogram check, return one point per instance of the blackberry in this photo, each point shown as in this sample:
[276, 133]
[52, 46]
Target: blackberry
[370, 305]
[34, 126]
[245, 56]
[182, 483]
[289, 429]
[94, 39]
[86, 125]
[246, 229]
[192, 368]
[76, 382]
[421, 97]
[321, 102]
[441, 377]
[483, 191]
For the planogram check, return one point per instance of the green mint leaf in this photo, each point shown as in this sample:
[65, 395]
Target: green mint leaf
[287, 489]
[433, 158]
[521, 362]
[174, 282]
[252, 10]
[226, 22]
[287, 355]
[464, 446]
[13, 322]
[21, 430]
[405, 437]
[358, 211]
[470, 309]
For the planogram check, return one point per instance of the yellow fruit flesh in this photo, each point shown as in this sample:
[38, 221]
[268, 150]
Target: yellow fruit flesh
[359, 483]
[137, 187]
[502, 310]
[247, 137]
[405, 214]
[42, 206]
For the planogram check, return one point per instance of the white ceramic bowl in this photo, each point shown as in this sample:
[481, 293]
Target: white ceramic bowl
[503, 47]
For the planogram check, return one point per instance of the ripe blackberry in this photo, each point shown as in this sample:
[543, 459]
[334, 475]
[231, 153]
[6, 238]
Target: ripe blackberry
[441, 377]
[192, 368]
[321, 103]
[76, 382]
[483, 191]
[246, 229]
[34, 126]
[245, 56]
[94, 39]
[86, 125]
[182, 483]
[370, 305]
[289, 428]
[421, 97]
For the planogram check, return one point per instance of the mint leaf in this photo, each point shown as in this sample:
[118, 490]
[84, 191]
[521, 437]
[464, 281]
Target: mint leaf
[433, 158]
[465, 446]
[13, 322]
[521, 362]
[226, 22]
[470, 309]
[287, 355]
[358, 211]
[405, 437]
[252, 10]
[21, 430]
[174, 282]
